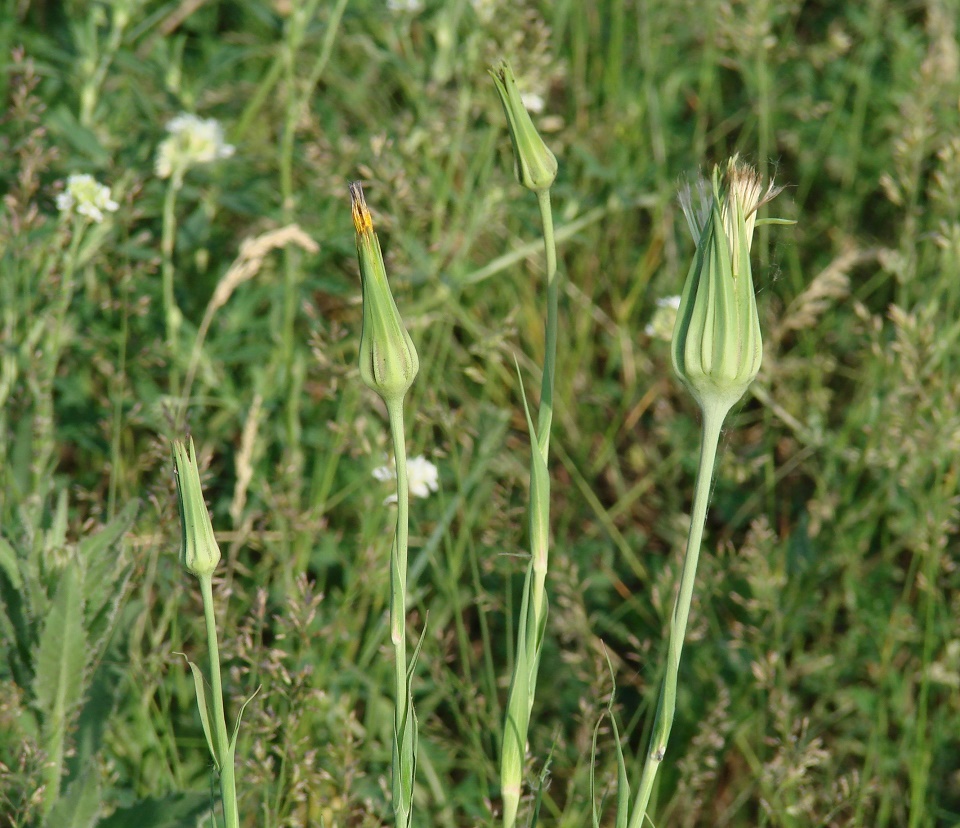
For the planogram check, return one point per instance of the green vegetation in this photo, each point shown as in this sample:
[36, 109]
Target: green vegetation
[214, 292]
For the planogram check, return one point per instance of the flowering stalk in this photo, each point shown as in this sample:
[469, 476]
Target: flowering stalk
[389, 365]
[191, 141]
[83, 203]
[535, 168]
[199, 555]
[171, 312]
[716, 353]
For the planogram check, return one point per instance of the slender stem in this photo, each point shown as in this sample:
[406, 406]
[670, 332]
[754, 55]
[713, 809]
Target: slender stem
[404, 725]
[116, 391]
[545, 415]
[45, 444]
[517, 724]
[228, 787]
[170, 310]
[713, 416]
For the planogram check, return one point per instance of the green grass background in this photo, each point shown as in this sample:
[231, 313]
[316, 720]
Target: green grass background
[821, 681]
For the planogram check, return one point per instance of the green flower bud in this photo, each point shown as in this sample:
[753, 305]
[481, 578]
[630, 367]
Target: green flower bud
[199, 552]
[388, 359]
[534, 164]
[716, 345]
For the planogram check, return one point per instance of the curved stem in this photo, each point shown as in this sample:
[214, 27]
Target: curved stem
[713, 417]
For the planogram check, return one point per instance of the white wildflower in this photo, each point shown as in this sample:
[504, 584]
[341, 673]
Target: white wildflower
[532, 102]
[191, 141]
[411, 6]
[422, 477]
[87, 196]
[664, 318]
[486, 10]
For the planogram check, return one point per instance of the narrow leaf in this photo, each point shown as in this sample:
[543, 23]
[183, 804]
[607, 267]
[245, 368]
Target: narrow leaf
[9, 563]
[16, 630]
[203, 705]
[236, 727]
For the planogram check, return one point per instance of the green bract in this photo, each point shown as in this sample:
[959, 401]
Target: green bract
[716, 345]
[534, 164]
[199, 552]
[388, 359]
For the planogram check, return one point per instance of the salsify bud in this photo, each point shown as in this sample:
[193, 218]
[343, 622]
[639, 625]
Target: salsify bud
[716, 345]
[534, 164]
[388, 358]
[199, 552]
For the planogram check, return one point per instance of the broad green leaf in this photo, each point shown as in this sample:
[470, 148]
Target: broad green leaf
[94, 547]
[106, 578]
[80, 804]
[55, 538]
[60, 665]
[100, 698]
[173, 811]
[101, 620]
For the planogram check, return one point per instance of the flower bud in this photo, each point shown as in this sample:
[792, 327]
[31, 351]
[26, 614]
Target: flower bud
[388, 359]
[716, 344]
[534, 164]
[199, 552]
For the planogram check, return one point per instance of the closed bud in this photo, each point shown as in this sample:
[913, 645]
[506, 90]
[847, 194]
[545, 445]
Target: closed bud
[716, 345]
[388, 358]
[199, 552]
[534, 164]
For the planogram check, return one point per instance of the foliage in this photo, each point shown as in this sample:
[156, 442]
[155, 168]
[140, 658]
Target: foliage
[821, 677]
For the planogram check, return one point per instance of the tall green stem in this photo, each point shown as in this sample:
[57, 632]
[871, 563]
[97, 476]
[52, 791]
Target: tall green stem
[713, 417]
[404, 747]
[53, 351]
[228, 785]
[171, 312]
[545, 415]
[534, 608]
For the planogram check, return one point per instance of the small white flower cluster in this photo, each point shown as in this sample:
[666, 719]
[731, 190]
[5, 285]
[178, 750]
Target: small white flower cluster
[422, 477]
[664, 318]
[191, 141]
[87, 196]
